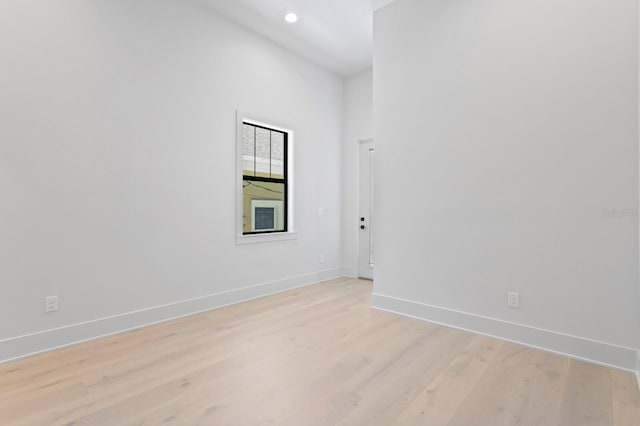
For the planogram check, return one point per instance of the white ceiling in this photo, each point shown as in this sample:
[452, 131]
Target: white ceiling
[336, 34]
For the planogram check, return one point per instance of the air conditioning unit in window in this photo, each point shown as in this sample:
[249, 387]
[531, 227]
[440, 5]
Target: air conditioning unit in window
[267, 215]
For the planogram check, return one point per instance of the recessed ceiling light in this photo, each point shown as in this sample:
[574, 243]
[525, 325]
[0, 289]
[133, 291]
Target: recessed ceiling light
[291, 18]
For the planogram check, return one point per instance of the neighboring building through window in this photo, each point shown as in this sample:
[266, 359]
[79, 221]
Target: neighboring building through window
[264, 179]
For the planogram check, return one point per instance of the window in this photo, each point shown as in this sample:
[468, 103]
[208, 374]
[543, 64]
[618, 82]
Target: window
[265, 198]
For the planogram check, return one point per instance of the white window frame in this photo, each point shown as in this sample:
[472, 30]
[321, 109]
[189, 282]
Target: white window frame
[241, 238]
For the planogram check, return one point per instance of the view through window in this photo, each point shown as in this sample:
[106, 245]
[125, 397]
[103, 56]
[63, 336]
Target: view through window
[264, 179]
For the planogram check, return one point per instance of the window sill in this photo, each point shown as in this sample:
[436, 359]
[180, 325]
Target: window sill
[266, 238]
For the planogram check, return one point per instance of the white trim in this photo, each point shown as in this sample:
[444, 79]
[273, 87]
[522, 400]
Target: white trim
[241, 117]
[606, 354]
[43, 341]
[638, 369]
[266, 238]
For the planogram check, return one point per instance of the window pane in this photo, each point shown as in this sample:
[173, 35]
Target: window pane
[263, 206]
[263, 152]
[248, 150]
[277, 155]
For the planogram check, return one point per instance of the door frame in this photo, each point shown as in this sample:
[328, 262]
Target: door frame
[356, 203]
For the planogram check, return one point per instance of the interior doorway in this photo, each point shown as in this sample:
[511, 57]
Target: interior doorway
[365, 209]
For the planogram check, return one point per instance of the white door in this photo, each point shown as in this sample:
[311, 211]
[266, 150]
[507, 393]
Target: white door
[365, 210]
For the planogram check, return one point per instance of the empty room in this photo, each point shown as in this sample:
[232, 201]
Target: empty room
[337, 212]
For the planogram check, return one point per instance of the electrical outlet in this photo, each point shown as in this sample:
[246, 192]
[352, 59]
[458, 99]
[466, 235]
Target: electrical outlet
[322, 258]
[320, 211]
[513, 299]
[51, 303]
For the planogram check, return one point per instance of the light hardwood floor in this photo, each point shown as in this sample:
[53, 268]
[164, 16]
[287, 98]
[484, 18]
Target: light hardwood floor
[313, 356]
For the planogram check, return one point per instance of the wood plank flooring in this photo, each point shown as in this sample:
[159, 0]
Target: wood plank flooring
[314, 356]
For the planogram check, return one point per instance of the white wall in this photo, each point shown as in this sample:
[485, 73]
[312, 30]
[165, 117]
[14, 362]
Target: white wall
[503, 131]
[117, 167]
[357, 126]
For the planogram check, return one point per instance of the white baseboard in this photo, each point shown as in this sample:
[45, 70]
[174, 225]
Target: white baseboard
[638, 369]
[22, 346]
[350, 272]
[606, 354]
